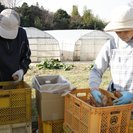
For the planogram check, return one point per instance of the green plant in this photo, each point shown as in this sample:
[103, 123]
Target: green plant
[91, 66]
[54, 64]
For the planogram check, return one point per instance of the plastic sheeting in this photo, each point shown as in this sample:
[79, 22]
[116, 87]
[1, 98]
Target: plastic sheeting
[55, 84]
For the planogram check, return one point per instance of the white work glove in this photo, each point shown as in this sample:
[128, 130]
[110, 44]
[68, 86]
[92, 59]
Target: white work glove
[18, 75]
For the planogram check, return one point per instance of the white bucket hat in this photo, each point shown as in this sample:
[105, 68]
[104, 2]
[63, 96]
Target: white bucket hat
[9, 24]
[121, 19]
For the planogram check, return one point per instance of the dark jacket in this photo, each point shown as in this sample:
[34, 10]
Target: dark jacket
[14, 55]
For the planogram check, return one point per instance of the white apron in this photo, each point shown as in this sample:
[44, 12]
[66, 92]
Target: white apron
[121, 65]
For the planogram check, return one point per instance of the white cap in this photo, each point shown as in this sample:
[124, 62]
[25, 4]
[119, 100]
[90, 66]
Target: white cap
[9, 24]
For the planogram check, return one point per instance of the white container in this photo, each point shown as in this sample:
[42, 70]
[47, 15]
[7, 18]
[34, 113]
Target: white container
[16, 128]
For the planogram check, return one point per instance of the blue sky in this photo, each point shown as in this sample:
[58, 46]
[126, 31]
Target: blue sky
[102, 8]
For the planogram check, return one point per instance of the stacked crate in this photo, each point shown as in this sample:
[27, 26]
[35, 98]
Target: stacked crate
[50, 112]
[15, 107]
[50, 106]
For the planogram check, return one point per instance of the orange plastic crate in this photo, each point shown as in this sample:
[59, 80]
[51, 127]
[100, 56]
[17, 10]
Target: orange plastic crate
[66, 129]
[81, 117]
[15, 103]
[131, 127]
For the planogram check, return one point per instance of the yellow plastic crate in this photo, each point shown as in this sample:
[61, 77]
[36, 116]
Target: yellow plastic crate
[15, 102]
[55, 126]
[16, 128]
[81, 117]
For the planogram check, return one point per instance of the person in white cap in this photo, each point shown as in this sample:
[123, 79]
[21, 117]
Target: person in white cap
[116, 54]
[14, 47]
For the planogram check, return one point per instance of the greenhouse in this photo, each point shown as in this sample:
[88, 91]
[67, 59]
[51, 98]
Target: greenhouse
[87, 46]
[65, 45]
[42, 45]
[79, 45]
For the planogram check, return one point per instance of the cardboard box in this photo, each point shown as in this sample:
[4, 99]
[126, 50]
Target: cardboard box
[50, 106]
[50, 103]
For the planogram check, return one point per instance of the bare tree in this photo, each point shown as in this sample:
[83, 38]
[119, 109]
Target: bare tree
[10, 3]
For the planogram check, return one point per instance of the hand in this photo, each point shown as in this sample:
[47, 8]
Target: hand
[97, 95]
[126, 98]
[18, 75]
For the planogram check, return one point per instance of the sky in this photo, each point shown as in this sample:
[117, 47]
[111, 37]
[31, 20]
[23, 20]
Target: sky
[101, 8]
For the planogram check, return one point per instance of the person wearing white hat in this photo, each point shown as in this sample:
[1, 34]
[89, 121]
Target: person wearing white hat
[14, 47]
[116, 54]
